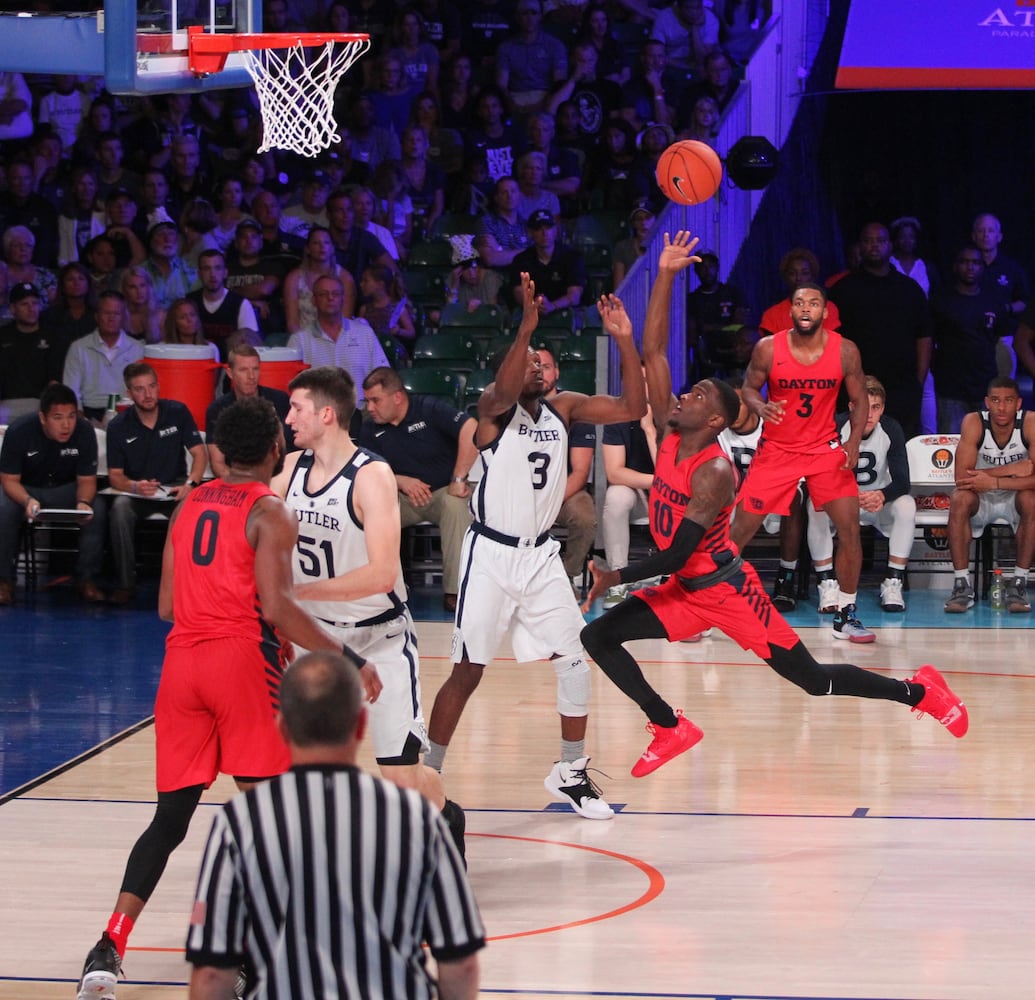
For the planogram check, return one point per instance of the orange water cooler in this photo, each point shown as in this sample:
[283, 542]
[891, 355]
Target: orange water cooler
[186, 372]
[279, 366]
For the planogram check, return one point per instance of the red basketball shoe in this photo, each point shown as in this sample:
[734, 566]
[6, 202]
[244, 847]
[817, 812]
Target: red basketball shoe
[940, 702]
[666, 744]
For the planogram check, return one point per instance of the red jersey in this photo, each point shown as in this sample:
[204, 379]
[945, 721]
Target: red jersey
[214, 596]
[809, 392]
[670, 495]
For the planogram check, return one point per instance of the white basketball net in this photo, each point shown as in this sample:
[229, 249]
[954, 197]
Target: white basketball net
[296, 89]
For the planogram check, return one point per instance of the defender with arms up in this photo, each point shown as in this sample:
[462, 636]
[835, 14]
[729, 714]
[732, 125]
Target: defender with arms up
[510, 567]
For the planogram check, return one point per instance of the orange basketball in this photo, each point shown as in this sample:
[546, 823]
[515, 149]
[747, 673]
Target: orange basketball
[689, 172]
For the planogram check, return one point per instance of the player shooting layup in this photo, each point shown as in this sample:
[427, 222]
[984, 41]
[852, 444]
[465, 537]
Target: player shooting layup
[690, 503]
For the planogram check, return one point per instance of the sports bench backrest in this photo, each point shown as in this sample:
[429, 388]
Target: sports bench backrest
[932, 474]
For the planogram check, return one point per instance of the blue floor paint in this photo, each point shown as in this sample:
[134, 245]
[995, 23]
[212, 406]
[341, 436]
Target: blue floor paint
[72, 676]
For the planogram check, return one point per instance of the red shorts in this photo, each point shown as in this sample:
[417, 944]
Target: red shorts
[216, 712]
[774, 473]
[740, 607]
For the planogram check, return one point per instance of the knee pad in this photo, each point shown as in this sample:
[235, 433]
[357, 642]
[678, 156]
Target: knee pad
[572, 685]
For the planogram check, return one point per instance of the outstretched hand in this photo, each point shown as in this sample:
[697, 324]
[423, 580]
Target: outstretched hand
[529, 304]
[678, 252]
[615, 319]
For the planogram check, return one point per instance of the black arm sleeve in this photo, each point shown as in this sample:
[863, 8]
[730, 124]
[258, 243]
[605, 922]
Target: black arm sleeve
[687, 537]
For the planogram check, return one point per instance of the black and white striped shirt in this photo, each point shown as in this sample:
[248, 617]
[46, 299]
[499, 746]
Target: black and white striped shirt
[331, 880]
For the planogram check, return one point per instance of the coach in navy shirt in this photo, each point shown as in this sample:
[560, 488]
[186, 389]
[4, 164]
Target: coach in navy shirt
[430, 447]
[147, 464]
[49, 460]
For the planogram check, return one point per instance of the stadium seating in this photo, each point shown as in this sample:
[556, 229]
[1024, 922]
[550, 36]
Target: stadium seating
[457, 351]
[441, 382]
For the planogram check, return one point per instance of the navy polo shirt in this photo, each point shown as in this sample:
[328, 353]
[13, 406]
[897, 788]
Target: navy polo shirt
[423, 445]
[41, 461]
[143, 452]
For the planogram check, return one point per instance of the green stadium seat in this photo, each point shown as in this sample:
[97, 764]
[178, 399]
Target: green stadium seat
[600, 227]
[578, 349]
[457, 314]
[490, 347]
[439, 382]
[559, 319]
[425, 286]
[394, 350]
[578, 379]
[454, 350]
[476, 383]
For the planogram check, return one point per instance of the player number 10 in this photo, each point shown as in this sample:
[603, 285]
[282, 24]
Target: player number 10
[663, 518]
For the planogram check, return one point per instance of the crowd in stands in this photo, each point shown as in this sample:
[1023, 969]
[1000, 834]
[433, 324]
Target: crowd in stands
[458, 112]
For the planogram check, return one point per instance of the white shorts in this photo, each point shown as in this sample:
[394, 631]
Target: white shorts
[502, 586]
[397, 715]
[996, 505]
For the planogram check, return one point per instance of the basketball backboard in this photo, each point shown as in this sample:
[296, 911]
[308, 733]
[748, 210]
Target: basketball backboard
[138, 46]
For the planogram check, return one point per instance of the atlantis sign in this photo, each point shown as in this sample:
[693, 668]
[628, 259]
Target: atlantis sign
[938, 45]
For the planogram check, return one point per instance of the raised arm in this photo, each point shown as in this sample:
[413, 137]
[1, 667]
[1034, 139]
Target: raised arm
[676, 255]
[502, 394]
[632, 403]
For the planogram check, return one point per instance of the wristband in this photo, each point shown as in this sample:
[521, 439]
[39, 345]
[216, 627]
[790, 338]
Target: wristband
[193, 485]
[459, 479]
[133, 486]
[353, 657]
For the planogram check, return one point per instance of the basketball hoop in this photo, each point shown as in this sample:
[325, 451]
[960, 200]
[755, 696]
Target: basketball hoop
[295, 77]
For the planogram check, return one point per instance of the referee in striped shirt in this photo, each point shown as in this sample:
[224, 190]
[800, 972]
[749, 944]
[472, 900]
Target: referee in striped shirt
[327, 881]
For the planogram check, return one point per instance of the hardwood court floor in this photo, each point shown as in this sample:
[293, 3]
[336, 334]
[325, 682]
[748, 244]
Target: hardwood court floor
[806, 848]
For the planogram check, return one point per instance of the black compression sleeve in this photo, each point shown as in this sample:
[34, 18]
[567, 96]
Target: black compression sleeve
[687, 537]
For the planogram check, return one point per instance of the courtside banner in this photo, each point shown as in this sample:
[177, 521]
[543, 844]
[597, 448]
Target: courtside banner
[938, 45]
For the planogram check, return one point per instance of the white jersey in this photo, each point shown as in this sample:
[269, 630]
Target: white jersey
[740, 448]
[990, 455]
[524, 473]
[872, 471]
[331, 542]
